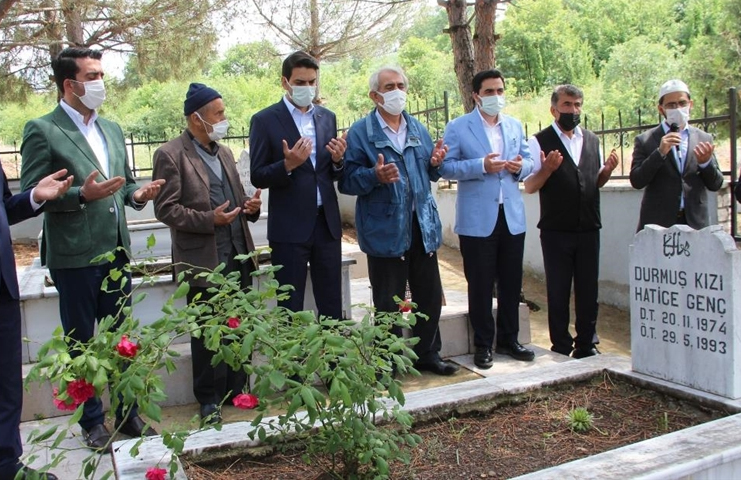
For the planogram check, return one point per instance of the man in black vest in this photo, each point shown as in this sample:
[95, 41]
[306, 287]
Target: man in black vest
[207, 211]
[569, 173]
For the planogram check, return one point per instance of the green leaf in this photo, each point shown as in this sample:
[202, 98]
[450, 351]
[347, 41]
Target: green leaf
[151, 241]
[277, 379]
[181, 291]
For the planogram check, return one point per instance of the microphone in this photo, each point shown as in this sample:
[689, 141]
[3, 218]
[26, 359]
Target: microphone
[675, 128]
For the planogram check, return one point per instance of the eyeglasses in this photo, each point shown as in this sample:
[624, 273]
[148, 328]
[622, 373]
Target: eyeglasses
[673, 105]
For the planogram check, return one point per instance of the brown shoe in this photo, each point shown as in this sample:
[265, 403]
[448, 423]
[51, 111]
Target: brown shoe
[98, 438]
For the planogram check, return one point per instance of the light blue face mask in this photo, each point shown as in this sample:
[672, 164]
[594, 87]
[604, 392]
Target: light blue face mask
[492, 105]
[219, 129]
[302, 96]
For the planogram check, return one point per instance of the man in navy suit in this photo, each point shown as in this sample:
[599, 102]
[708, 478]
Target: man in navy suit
[16, 208]
[488, 156]
[295, 152]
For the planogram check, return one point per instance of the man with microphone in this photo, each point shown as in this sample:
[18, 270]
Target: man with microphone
[675, 163]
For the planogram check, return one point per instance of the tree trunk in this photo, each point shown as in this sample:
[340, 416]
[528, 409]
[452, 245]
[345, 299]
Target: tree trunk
[315, 42]
[460, 36]
[5, 7]
[484, 38]
[73, 24]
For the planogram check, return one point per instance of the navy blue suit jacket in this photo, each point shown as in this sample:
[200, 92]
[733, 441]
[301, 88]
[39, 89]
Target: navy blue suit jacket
[14, 209]
[292, 203]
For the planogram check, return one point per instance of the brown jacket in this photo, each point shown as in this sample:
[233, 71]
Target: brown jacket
[185, 206]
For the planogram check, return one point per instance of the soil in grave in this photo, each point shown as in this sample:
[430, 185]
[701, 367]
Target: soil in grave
[531, 432]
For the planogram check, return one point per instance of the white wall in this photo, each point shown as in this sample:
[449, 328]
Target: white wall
[620, 206]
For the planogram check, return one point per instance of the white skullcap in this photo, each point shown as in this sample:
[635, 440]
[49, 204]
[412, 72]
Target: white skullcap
[673, 86]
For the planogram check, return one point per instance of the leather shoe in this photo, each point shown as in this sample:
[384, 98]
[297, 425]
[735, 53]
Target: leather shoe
[135, 427]
[210, 414]
[483, 358]
[516, 351]
[27, 473]
[585, 352]
[98, 438]
[437, 366]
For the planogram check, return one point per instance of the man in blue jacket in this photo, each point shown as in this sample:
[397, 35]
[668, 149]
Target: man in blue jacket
[489, 156]
[389, 164]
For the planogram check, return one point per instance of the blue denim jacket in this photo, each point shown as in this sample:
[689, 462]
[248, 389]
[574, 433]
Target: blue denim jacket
[383, 212]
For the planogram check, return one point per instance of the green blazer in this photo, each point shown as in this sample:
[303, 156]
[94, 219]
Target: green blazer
[75, 233]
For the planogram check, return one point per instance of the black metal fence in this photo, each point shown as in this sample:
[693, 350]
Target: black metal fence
[436, 114]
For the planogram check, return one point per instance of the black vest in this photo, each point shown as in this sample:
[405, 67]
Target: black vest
[229, 238]
[569, 199]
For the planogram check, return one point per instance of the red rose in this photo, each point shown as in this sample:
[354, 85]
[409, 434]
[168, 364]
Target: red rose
[233, 322]
[154, 473]
[405, 306]
[80, 391]
[126, 348]
[245, 401]
[68, 404]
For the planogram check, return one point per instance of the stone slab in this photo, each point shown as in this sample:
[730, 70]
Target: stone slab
[684, 309]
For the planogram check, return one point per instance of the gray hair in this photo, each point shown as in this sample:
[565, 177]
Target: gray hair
[568, 90]
[373, 81]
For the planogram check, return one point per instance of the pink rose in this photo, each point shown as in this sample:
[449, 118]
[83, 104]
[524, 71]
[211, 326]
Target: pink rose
[154, 473]
[80, 390]
[245, 401]
[68, 404]
[233, 322]
[126, 348]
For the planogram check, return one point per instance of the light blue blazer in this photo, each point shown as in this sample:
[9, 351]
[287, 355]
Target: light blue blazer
[477, 206]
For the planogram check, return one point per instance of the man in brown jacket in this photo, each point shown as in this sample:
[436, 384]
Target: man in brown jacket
[205, 206]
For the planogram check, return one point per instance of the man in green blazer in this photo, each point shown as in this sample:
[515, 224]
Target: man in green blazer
[89, 219]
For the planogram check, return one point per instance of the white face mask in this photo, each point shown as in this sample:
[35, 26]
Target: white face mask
[492, 104]
[219, 129]
[94, 94]
[302, 96]
[680, 116]
[394, 101]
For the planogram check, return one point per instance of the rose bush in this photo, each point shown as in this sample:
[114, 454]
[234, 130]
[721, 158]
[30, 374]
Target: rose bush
[325, 372]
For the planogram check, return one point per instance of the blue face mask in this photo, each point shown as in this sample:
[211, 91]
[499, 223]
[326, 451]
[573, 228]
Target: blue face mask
[492, 104]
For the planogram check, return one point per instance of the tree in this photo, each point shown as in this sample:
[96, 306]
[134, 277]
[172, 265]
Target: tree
[334, 29]
[158, 32]
[258, 59]
[472, 53]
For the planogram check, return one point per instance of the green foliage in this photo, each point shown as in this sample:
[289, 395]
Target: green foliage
[287, 353]
[633, 75]
[579, 420]
[259, 59]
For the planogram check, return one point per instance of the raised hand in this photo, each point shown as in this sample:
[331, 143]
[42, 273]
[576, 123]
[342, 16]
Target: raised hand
[253, 204]
[438, 153]
[222, 217]
[148, 191]
[51, 187]
[514, 165]
[703, 151]
[492, 165]
[337, 147]
[386, 173]
[296, 156]
[551, 162]
[612, 161]
[93, 190]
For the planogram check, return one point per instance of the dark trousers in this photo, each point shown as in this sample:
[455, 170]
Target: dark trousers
[83, 303]
[571, 256]
[389, 276]
[11, 388]
[486, 260]
[324, 255]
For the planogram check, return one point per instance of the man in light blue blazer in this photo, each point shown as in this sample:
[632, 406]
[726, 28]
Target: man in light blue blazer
[488, 155]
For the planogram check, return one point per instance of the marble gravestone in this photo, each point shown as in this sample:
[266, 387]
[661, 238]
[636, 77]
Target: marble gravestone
[243, 167]
[683, 289]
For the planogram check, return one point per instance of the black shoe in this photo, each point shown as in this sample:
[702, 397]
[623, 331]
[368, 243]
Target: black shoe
[135, 427]
[516, 351]
[585, 352]
[483, 358]
[98, 438]
[437, 366]
[210, 414]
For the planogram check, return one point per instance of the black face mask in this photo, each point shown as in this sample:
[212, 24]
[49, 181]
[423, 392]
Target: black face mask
[568, 121]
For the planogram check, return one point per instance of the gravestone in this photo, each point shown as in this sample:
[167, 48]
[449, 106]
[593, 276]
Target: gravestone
[683, 286]
[243, 167]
